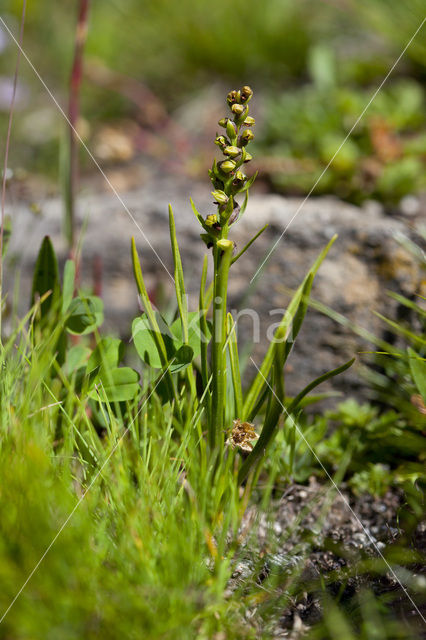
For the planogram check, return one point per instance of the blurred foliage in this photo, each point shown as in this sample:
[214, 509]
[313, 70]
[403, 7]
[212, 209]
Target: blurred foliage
[384, 156]
[319, 62]
[381, 444]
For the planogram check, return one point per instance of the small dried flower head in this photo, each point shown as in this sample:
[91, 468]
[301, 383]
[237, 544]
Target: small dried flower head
[242, 435]
[232, 97]
[227, 166]
[220, 196]
[246, 137]
[232, 152]
[246, 94]
[238, 109]
[220, 141]
[249, 122]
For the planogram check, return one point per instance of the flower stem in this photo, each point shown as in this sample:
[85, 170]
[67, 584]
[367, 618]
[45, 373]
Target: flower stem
[222, 253]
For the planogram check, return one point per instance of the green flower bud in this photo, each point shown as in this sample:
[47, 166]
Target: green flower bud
[249, 122]
[238, 109]
[223, 121]
[220, 196]
[230, 129]
[232, 97]
[227, 166]
[211, 220]
[248, 157]
[239, 179]
[246, 94]
[220, 141]
[232, 152]
[246, 136]
[225, 245]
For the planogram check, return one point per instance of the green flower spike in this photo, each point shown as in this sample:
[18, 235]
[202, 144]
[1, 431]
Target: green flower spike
[226, 175]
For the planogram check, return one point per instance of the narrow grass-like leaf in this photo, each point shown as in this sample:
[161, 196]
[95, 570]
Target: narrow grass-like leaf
[399, 329]
[249, 244]
[68, 284]
[140, 283]
[249, 182]
[418, 371]
[179, 279]
[274, 409]
[326, 376]
[203, 335]
[300, 314]
[181, 297]
[199, 216]
[406, 302]
[46, 277]
[235, 367]
[286, 322]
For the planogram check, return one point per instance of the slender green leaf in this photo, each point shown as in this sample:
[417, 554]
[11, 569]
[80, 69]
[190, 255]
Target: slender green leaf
[326, 376]
[68, 284]
[285, 325]
[199, 217]
[274, 409]
[235, 367]
[418, 371]
[46, 277]
[161, 347]
[249, 244]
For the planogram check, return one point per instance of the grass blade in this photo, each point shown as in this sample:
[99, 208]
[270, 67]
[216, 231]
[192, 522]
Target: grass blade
[285, 325]
[326, 376]
[235, 366]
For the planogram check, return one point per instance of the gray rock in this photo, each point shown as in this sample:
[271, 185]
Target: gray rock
[364, 262]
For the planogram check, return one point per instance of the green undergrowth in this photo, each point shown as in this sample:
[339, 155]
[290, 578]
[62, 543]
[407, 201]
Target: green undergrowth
[133, 557]
[123, 490]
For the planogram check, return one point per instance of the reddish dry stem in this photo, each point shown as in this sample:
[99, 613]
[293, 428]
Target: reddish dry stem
[74, 106]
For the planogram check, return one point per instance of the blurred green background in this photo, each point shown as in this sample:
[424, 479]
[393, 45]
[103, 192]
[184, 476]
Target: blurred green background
[314, 66]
